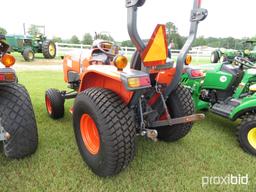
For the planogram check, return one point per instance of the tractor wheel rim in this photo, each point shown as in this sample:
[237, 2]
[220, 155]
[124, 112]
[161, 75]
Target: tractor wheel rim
[212, 57]
[51, 49]
[30, 55]
[252, 137]
[48, 105]
[90, 134]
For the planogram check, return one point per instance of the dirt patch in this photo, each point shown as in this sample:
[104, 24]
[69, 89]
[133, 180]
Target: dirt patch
[39, 65]
[22, 67]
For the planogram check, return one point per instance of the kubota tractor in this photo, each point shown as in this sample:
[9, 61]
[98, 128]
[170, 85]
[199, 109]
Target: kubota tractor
[113, 103]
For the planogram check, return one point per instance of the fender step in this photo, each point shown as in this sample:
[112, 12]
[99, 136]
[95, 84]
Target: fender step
[223, 110]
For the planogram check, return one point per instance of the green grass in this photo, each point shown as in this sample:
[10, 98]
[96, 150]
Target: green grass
[210, 149]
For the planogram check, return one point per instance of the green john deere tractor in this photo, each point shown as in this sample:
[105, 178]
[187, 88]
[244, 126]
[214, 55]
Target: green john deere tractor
[28, 45]
[228, 90]
[223, 55]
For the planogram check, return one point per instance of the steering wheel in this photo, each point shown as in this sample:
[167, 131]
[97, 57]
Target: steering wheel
[110, 46]
[244, 62]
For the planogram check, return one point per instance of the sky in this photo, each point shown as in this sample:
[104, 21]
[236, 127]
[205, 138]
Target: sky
[66, 18]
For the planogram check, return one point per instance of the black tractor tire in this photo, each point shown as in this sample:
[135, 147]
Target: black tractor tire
[248, 124]
[18, 119]
[54, 102]
[116, 129]
[215, 57]
[49, 49]
[28, 54]
[179, 104]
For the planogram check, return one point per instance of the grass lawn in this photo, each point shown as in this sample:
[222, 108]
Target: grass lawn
[210, 149]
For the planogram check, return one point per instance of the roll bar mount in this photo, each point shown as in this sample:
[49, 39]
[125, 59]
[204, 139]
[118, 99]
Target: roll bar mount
[197, 14]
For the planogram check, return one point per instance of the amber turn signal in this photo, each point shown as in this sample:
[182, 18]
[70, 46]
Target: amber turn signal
[188, 59]
[8, 60]
[120, 62]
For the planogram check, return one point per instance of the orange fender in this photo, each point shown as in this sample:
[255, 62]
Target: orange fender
[107, 77]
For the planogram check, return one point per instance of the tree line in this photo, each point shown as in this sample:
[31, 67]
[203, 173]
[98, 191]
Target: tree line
[175, 40]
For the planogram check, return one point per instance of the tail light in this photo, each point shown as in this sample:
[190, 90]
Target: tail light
[199, 2]
[136, 82]
[7, 77]
[197, 73]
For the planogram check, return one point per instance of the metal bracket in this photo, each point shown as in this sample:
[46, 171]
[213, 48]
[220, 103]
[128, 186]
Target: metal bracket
[2, 131]
[137, 3]
[179, 120]
[142, 123]
[198, 15]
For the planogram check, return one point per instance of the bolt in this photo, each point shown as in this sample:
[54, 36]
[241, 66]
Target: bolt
[152, 134]
[7, 136]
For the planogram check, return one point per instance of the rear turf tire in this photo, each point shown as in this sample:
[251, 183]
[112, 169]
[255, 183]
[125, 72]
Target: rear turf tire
[54, 102]
[49, 49]
[179, 104]
[244, 130]
[18, 119]
[115, 125]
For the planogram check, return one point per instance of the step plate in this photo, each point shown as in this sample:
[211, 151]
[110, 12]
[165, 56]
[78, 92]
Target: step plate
[222, 109]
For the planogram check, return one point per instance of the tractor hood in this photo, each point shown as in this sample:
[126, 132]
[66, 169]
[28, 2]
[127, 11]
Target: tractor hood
[207, 67]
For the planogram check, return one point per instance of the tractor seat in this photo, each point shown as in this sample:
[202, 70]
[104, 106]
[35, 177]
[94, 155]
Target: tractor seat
[234, 70]
[237, 75]
[98, 56]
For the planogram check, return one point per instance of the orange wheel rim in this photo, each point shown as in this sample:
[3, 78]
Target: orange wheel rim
[48, 105]
[90, 134]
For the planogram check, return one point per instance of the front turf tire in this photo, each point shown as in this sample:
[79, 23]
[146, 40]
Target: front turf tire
[18, 119]
[115, 127]
[54, 102]
[246, 134]
[179, 104]
[215, 57]
[28, 54]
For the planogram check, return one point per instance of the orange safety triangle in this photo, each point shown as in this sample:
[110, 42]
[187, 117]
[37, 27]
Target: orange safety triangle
[156, 51]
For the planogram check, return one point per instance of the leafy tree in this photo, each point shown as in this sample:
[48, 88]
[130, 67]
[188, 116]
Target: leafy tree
[173, 36]
[170, 29]
[3, 31]
[57, 39]
[200, 41]
[253, 38]
[33, 30]
[74, 40]
[104, 36]
[87, 39]
[127, 43]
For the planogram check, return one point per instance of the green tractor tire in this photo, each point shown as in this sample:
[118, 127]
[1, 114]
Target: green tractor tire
[28, 54]
[49, 49]
[215, 57]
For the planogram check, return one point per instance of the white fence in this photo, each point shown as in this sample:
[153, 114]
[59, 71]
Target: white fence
[65, 48]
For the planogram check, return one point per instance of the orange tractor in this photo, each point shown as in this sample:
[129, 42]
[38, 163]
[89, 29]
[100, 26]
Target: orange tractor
[114, 103]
